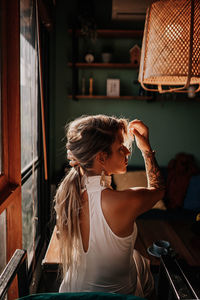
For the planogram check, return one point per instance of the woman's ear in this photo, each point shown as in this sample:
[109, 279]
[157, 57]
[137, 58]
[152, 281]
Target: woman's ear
[101, 158]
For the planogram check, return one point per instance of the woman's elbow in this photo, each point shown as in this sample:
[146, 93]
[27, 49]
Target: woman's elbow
[158, 193]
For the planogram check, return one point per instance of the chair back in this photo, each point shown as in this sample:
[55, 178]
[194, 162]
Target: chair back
[17, 265]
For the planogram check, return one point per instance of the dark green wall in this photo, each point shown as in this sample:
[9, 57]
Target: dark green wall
[174, 125]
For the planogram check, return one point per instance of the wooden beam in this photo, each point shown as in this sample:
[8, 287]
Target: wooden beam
[13, 91]
[41, 94]
[11, 129]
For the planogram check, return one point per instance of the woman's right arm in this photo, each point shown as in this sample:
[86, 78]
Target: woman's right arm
[143, 199]
[141, 133]
[154, 177]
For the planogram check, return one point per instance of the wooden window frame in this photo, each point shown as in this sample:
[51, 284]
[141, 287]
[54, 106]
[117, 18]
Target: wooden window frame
[10, 179]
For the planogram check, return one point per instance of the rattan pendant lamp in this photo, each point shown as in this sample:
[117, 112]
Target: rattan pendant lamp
[170, 56]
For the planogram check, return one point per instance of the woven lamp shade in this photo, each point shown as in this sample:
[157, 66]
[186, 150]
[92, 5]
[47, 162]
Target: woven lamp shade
[170, 53]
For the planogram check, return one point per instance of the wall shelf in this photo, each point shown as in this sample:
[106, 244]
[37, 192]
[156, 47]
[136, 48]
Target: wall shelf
[121, 62]
[115, 33]
[112, 97]
[104, 65]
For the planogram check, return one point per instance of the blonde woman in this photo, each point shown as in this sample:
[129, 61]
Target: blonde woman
[96, 224]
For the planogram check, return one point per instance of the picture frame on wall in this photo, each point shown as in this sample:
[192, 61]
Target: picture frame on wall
[113, 87]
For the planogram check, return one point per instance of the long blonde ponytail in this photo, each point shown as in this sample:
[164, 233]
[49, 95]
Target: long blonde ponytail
[67, 206]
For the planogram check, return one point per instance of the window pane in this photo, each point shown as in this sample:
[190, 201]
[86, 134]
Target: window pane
[29, 83]
[30, 213]
[2, 241]
[29, 125]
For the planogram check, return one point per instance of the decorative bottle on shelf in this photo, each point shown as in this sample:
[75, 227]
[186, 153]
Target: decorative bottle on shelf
[90, 86]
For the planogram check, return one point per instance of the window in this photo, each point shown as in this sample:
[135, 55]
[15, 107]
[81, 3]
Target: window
[30, 145]
[30, 230]
[20, 179]
[21, 203]
[28, 83]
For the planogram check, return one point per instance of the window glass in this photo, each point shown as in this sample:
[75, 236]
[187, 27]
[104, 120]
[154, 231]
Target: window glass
[29, 126]
[30, 213]
[29, 84]
[2, 241]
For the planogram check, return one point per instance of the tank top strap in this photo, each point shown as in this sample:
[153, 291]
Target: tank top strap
[95, 183]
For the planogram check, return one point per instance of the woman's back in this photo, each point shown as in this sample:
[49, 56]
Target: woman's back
[106, 259]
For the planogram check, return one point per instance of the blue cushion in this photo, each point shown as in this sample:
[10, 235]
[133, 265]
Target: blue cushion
[192, 198]
[83, 296]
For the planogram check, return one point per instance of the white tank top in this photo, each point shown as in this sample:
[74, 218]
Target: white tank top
[108, 264]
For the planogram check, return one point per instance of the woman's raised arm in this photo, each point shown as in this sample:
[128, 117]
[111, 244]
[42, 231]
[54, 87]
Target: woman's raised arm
[141, 134]
[139, 200]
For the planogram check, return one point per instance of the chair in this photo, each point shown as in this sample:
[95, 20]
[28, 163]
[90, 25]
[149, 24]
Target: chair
[17, 265]
[173, 282]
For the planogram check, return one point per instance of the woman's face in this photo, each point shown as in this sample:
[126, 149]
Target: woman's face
[117, 162]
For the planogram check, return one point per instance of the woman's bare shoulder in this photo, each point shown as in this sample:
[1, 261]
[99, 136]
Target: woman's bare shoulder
[118, 200]
[122, 196]
[132, 201]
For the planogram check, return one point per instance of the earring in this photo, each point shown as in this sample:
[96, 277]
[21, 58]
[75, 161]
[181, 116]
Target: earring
[103, 178]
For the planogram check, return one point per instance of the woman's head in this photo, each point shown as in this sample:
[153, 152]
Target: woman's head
[89, 136]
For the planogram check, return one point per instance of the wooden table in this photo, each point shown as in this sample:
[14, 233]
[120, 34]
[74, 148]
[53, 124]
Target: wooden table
[50, 265]
[185, 243]
[51, 260]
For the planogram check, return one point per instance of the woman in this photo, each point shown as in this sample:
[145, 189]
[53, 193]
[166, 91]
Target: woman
[96, 224]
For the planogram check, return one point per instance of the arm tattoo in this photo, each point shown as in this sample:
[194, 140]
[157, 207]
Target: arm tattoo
[154, 177]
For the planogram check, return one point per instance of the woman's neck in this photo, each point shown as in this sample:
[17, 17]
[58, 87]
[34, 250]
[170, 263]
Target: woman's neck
[93, 173]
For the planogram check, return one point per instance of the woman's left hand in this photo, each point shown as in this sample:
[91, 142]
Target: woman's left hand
[141, 133]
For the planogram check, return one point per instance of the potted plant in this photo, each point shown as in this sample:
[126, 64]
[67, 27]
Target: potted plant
[107, 53]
